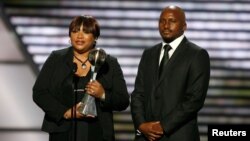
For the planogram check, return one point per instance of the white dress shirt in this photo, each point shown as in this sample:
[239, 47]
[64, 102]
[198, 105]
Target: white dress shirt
[174, 44]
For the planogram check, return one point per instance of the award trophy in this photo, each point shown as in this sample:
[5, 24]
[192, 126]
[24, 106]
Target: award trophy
[96, 57]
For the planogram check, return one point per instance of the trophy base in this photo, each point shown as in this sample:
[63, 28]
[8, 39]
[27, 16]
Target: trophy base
[88, 110]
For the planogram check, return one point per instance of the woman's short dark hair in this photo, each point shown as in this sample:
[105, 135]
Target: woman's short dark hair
[90, 25]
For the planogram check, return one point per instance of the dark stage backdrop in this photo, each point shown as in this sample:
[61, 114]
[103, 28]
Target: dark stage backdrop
[127, 27]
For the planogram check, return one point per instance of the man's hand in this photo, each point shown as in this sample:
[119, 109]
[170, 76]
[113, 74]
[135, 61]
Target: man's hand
[152, 130]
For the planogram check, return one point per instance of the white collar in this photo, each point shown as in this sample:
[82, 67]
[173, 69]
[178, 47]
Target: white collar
[174, 44]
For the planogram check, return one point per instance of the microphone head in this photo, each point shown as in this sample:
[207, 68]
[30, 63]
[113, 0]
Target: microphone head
[74, 67]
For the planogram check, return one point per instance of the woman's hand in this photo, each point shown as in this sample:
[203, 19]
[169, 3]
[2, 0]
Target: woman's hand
[76, 114]
[95, 89]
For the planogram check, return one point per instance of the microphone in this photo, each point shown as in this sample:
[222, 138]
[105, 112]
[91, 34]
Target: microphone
[74, 67]
[73, 112]
[75, 79]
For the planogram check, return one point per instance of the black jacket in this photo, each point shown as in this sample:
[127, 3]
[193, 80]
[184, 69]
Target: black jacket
[176, 97]
[53, 92]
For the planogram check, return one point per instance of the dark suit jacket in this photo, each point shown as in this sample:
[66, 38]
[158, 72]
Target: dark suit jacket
[53, 92]
[177, 96]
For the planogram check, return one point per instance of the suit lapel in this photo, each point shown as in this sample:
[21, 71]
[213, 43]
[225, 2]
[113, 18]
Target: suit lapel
[155, 57]
[66, 70]
[68, 59]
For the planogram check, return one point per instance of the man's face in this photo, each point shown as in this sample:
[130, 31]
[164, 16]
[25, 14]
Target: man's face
[171, 24]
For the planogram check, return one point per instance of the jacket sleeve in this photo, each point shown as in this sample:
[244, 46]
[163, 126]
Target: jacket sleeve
[42, 92]
[137, 97]
[116, 97]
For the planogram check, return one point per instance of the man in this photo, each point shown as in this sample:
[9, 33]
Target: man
[168, 96]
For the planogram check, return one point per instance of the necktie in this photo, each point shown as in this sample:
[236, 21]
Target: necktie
[164, 59]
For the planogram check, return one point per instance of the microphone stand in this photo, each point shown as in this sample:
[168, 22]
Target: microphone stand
[73, 110]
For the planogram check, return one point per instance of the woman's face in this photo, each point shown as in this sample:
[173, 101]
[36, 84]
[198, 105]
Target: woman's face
[82, 41]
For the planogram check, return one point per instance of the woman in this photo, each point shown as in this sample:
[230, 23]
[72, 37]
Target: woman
[53, 89]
